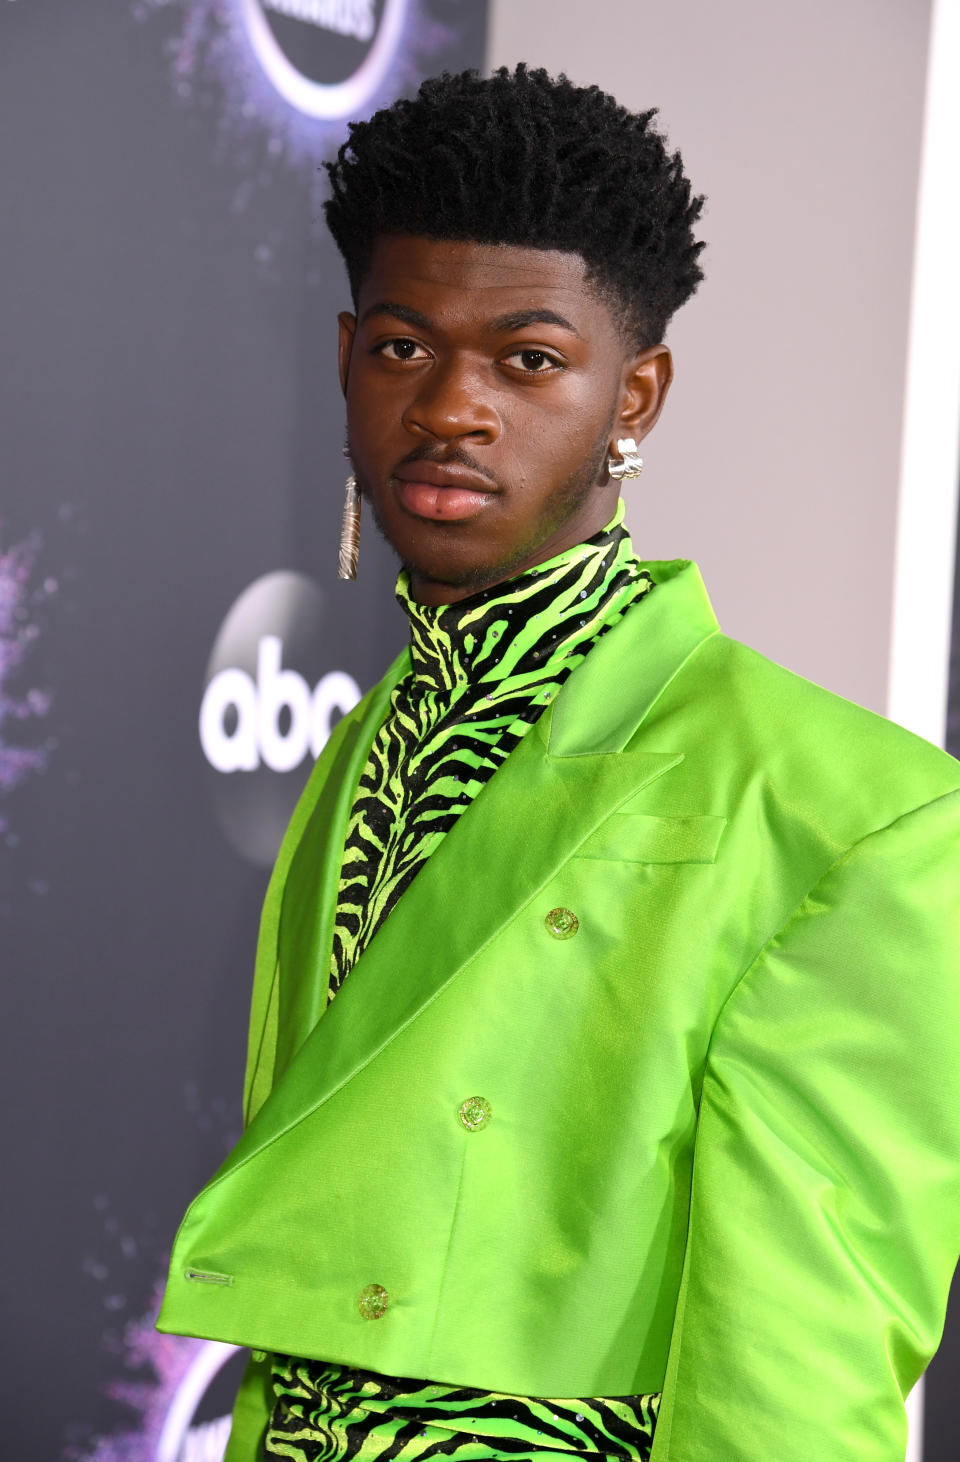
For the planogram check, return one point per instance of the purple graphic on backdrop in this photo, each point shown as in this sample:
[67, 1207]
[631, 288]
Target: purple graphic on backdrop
[287, 75]
[168, 1384]
[174, 435]
[18, 631]
[174, 1374]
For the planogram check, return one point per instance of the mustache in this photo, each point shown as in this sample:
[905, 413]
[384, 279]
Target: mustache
[446, 458]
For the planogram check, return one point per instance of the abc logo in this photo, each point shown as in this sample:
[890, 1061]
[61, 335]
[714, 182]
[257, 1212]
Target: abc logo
[259, 708]
[327, 58]
[269, 705]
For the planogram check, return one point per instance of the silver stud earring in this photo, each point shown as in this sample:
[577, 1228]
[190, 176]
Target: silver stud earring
[350, 530]
[628, 464]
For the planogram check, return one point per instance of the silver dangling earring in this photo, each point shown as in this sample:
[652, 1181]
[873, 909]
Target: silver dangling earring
[628, 464]
[350, 530]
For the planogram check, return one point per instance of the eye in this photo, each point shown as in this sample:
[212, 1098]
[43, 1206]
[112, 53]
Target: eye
[402, 349]
[534, 362]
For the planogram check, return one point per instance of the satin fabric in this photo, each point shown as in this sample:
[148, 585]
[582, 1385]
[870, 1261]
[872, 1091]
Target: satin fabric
[723, 1154]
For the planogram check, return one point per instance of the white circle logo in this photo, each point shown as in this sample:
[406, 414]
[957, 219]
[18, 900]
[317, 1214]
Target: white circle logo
[268, 707]
[327, 58]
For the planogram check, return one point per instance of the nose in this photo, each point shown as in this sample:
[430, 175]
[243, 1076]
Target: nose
[450, 403]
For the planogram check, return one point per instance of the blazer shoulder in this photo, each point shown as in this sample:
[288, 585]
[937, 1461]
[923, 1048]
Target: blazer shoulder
[816, 746]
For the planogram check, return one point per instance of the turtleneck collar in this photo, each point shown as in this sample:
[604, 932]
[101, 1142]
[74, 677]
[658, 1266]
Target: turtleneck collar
[529, 625]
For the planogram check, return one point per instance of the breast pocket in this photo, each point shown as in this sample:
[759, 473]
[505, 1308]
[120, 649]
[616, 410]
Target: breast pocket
[635, 837]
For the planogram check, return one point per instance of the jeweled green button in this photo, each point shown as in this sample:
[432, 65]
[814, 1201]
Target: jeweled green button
[562, 923]
[475, 1113]
[373, 1302]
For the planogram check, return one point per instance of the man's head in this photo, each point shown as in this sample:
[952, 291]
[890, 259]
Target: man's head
[515, 248]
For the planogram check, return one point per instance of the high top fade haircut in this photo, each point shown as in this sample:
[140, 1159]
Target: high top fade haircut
[525, 159]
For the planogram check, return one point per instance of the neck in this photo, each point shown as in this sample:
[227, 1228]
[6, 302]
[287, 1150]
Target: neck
[539, 616]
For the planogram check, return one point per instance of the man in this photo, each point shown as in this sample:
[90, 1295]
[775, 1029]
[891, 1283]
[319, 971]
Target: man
[602, 1092]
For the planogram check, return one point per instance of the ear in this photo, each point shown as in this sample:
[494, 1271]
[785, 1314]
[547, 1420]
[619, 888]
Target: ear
[643, 390]
[348, 330]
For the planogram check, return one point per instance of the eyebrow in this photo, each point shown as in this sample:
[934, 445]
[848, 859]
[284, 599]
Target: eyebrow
[399, 312]
[503, 324]
[520, 319]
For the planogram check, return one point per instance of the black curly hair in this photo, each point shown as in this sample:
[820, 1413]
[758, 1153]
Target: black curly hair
[523, 158]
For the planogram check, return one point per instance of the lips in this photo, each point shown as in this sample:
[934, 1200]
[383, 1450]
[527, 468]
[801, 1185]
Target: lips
[442, 492]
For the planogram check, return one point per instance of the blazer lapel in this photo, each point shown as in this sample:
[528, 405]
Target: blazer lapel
[301, 897]
[576, 766]
[615, 688]
[310, 891]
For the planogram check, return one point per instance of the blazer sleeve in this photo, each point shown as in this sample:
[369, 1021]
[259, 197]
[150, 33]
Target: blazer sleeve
[825, 1207]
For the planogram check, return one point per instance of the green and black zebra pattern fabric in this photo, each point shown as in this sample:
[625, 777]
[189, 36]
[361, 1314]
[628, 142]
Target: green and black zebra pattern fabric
[330, 1414]
[482, 672]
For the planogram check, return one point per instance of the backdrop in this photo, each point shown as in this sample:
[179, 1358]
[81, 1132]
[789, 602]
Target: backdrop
[174, 642]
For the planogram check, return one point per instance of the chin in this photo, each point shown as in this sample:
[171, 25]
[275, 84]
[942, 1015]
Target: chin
[448, 577]
[465, 577]
[432, 555]
[434, 564]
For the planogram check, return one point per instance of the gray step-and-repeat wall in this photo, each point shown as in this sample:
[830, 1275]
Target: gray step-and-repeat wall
[174, 641]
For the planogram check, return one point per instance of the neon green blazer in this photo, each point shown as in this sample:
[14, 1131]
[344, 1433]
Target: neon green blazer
[721, 1158]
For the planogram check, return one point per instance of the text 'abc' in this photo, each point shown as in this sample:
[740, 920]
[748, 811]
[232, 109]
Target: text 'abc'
[258, 706]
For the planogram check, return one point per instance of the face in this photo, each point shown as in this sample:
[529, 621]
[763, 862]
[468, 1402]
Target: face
[485, 386]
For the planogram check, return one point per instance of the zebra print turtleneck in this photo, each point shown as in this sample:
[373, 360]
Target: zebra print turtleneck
[482, 672]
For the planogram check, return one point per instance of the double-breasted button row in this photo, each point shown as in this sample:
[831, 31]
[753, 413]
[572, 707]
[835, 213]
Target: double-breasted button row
[474, 1113]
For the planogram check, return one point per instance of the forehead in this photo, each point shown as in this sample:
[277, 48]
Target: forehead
[459, 282]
